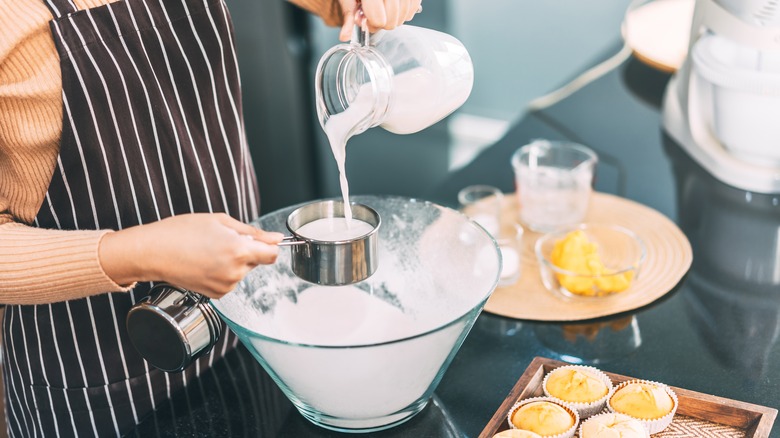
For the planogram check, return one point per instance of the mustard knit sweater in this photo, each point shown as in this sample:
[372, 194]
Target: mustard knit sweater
[36, 265]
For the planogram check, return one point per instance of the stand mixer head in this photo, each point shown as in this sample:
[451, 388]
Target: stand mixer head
[723, 102]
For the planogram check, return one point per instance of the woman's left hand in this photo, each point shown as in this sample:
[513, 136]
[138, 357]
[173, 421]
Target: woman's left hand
[380, 14]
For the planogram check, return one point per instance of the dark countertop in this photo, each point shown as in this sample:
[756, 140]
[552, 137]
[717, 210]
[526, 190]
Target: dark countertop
[715, 333]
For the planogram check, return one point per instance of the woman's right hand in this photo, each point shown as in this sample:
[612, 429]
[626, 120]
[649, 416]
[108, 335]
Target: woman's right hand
[201, 252]
[380, 14]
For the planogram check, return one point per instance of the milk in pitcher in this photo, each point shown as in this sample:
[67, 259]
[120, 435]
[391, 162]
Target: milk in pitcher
[403, 80]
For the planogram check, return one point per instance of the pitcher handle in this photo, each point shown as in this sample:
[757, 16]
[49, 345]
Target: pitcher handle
[360, 35]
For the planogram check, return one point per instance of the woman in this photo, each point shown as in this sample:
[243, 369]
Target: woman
[122, 161]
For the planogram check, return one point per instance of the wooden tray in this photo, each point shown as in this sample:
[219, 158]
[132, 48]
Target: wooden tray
[697, 412]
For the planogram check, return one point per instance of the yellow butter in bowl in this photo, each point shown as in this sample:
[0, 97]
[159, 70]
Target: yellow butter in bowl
[575, 253]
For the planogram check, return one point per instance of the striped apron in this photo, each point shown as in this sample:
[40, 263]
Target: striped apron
[152, 127]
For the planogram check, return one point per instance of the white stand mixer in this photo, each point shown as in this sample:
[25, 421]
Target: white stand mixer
[723, 104]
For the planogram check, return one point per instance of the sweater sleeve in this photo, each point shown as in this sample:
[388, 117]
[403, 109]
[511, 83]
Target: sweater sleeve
[36, 265]
[40, 266]
[328, 10]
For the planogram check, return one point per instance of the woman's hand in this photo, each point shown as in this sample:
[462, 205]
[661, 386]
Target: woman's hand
[205, 253]
[380, 14]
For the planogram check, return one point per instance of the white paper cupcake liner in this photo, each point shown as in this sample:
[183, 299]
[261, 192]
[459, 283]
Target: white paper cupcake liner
[511, 433]
[568, 434]
[584, 409]
[594, 417]
[652, 426]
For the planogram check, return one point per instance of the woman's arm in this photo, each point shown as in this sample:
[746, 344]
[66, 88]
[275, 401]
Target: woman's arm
[36, 266]
[39, 266]
[206, 253]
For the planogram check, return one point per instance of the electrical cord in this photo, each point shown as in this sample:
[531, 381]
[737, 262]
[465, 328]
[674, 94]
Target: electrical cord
[586, 77]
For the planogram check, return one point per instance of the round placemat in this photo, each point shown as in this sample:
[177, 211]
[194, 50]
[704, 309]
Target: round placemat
[669, 256]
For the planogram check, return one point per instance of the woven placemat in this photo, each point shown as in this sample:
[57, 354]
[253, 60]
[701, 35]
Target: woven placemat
[669, 257]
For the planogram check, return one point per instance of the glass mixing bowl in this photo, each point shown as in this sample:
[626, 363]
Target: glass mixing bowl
[368, 356]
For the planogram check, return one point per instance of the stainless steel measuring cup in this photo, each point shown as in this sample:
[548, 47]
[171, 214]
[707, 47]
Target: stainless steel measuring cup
[172, 327]
[332, 263]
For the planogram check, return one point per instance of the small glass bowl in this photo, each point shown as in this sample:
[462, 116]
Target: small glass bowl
[620, 250]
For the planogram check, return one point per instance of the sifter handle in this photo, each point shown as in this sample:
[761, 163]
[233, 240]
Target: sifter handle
[291, 241]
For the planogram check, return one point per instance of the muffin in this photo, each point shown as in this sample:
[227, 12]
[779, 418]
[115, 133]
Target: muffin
[612, 425]
[651, 402]
[583, 388]
[516, 433]
[544, 416]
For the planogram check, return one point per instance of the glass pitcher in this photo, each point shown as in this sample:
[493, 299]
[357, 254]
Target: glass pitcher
[403, 80]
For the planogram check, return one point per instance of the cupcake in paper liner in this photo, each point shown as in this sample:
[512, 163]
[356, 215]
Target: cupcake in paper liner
[544, 416]
[583, 388]
[653, 403]
[612, 424]
[516, 433]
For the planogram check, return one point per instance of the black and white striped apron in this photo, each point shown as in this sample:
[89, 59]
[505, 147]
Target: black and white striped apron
[152, 127]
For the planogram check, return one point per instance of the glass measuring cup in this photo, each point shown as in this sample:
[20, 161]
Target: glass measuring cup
[403, 80]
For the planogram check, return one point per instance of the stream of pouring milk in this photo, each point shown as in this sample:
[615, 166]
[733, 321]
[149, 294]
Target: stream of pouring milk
[339, 128]
[416, 104]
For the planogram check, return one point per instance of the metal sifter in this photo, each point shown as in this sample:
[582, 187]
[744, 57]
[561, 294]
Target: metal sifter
[172, 327]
